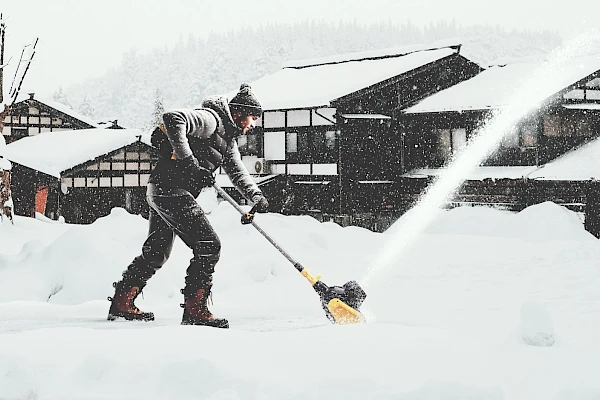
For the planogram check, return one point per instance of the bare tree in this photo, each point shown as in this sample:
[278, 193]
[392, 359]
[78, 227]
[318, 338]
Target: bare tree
[6, 203]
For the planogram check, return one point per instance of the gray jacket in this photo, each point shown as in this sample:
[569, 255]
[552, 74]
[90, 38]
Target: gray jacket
[209, 134]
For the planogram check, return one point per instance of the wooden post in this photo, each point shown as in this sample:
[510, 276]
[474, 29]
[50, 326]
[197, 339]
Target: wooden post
[592, 207]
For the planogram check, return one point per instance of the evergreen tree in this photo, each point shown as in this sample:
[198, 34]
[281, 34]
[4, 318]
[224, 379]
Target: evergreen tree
[159, 110]
[60, 97]
[86, 107]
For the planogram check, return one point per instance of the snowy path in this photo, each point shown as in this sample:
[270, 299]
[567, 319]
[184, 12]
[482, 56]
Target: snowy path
[443, 318]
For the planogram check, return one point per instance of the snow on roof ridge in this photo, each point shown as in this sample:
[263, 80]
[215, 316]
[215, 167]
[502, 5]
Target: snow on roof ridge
[504, 61]
[63, 108]
[68, 110]
[374, 54]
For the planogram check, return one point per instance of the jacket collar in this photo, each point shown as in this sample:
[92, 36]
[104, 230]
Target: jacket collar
[220, 105]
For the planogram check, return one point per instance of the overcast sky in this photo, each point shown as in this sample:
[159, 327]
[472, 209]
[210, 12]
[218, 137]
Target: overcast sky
[81, 38]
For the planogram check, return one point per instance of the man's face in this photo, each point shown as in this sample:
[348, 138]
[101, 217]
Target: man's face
[246, 122]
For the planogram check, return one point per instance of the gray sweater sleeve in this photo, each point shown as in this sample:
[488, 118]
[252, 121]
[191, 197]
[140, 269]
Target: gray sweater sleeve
[183, 122]
[238, 174]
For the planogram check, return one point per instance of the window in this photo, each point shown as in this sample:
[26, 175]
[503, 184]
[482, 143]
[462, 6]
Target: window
[523, 134]
[444, 144]
[567, 125]
[297, 146]
[450, 142]
[291, 139]
[552, 126]
[459, 140]
[529, 134]
[324, 146]
[249, 144]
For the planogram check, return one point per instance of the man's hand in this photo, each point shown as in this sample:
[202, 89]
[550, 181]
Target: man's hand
[196, 176]
[261, 205]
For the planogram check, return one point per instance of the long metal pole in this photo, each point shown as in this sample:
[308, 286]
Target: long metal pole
[235, 205]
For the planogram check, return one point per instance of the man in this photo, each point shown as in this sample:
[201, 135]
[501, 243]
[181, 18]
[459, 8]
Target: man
[192, 144]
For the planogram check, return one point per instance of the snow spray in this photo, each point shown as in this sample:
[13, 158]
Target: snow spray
[523, 101]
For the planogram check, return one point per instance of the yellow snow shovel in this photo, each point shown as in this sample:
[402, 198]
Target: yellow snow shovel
[341, 303]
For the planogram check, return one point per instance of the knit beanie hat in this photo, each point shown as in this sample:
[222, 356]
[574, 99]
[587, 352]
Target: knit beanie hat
[245, 102]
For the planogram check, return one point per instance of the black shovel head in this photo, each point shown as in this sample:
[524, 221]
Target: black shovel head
[350, 294]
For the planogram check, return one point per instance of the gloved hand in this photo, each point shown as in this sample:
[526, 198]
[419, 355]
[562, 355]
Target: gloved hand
[261, 205]
[194, 175]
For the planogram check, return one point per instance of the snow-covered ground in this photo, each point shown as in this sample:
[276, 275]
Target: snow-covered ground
[452, 317]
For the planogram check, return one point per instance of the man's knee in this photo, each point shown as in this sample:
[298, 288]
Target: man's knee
[210, 249]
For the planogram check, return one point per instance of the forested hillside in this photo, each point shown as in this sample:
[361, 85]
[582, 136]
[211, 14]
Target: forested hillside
[184, 73]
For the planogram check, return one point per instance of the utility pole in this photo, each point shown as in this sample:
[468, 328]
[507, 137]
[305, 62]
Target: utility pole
[2, 33]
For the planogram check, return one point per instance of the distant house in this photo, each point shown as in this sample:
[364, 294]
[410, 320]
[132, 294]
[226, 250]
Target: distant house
[109, 123]
[32, 116]
[80, 174]
[568, 114]
[330, 127]
[529, 166]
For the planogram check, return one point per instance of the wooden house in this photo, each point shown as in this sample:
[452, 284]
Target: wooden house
[32, 116]
[556, 109]
[83, 174]
[80, 174]
[330, 127]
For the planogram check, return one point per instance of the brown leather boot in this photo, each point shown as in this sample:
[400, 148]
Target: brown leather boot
[122, 304]
[196, 312]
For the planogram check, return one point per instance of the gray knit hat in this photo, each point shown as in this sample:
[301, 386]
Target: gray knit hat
[245, 102]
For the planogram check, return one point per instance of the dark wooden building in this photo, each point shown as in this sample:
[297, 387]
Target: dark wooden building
[80, 174]
[565, 117]
[32, 116]
[330, 130]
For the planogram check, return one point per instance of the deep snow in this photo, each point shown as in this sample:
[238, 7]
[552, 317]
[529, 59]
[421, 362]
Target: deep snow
[445, 321]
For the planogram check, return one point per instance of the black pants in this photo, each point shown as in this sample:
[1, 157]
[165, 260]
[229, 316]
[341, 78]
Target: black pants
[174, 211]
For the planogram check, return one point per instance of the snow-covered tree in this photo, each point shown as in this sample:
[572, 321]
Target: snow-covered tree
[60, 97]
[159, 109]
[189, 70]
[86, 107]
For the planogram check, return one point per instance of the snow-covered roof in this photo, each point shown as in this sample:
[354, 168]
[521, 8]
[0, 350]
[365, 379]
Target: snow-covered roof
[479, 173]
[496, 86]
[372, 54]
[315, 83]
[580, 164]
[63, 109]
[55, 152]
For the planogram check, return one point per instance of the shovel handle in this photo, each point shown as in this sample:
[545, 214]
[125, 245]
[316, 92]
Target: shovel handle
[239, 209]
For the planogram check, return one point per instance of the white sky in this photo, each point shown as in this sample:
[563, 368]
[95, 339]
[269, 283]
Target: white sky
[85, 38]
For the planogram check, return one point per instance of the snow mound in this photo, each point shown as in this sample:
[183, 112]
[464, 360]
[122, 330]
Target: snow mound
[479, 220]
[549, 221]
[538, 223]
[537, 328]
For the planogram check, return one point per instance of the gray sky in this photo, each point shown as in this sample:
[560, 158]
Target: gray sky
[82, 38]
